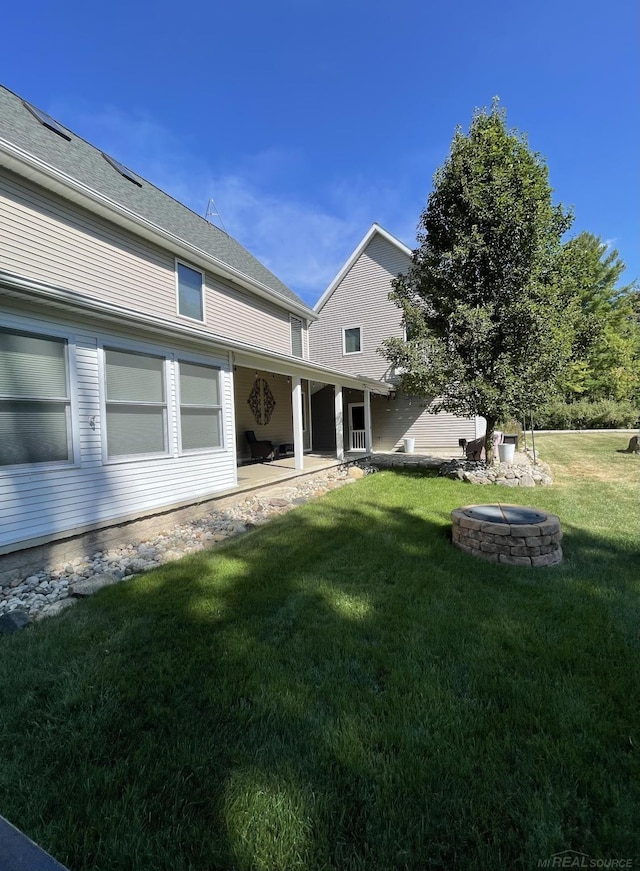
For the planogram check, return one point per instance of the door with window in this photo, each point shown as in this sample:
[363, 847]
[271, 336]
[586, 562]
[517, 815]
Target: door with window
[357, 434]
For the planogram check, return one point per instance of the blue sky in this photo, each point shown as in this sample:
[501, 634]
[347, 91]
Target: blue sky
[306, 121]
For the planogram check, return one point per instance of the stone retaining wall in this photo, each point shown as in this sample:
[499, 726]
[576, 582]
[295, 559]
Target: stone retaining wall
[516, 544]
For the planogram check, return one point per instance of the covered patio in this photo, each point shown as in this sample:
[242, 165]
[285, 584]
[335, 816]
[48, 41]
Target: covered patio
[274, 402]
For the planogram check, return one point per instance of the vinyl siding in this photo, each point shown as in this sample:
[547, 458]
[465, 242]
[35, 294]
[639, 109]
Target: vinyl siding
[361, 299]
[49, 239]
[392, 420]
[51, 501]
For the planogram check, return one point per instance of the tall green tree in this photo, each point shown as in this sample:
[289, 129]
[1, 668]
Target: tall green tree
[606, 357]
[485, 331]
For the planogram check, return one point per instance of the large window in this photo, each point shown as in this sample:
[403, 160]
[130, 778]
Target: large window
[136, 404]
[35, 408]
[351, 340]
[190, 292]
[200, 407]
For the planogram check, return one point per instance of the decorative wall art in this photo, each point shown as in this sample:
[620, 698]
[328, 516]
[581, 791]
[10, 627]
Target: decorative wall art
[261, 401]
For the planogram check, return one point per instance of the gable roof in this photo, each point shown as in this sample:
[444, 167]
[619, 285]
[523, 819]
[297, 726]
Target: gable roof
[374, 230]
[79, 171]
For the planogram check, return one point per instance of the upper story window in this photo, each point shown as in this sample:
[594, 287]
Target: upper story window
[200, 407]
[296, 336]
[136, 404]
[190, 292]
[35, 406]
[351, 340]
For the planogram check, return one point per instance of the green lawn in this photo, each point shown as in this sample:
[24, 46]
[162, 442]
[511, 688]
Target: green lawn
[341, 689]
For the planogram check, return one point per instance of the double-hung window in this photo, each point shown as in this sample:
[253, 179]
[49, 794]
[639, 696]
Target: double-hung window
[200, 407]
[136, 404]
[35, 405]
[351, 340]
[190, 292]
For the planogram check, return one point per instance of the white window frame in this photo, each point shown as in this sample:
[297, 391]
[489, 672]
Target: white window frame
[142, 351]
[179, 262]
[199, 361]
[293, 318]
[51, 331]
[346, 353]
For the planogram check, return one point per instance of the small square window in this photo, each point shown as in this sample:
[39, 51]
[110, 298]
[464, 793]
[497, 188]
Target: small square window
[190, 293]
[352, 342]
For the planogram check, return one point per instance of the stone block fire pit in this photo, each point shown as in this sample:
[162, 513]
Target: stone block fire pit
[511, 534]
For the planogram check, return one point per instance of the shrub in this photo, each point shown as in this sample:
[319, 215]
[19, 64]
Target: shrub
[584, 414]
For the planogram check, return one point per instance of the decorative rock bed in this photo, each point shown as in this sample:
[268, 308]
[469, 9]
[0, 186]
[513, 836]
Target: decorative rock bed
[520, 473]
[54, 588]
[510, 534]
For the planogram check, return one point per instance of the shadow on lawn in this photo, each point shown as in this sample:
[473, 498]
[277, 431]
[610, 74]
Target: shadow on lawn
[290, 701]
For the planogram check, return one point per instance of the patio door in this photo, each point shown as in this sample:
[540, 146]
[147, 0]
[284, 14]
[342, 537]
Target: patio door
[357, 434]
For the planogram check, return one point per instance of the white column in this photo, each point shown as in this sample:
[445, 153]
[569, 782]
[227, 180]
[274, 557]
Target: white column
[368, 440]
[298, 439]
[339, 423]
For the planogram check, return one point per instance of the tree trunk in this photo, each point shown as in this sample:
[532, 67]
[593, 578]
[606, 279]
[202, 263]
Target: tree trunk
[488, 439]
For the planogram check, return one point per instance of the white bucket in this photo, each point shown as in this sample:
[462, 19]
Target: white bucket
[409, 446]
[506, 453]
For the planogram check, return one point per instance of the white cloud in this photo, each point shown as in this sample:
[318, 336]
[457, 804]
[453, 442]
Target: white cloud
[301, 240]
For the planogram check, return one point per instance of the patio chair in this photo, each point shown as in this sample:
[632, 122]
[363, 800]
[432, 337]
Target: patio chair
[260, 450]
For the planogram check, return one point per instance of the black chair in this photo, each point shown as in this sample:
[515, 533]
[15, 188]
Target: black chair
[260, 450]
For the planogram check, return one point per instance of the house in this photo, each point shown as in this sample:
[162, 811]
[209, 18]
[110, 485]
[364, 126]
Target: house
[138, 344]
[355, 315]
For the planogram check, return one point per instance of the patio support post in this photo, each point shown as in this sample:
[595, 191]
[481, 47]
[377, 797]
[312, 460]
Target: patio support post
[298, 439]
[339, 423]
[368, 441]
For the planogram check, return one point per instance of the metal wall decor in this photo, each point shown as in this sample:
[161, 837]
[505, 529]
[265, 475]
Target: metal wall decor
[261, 401]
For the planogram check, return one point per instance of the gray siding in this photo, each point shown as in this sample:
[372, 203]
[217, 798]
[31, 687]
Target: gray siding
[392, 420]
[49, 501]
[361, 299]
[49, 239]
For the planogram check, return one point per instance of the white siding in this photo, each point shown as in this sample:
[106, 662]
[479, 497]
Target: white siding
[49, 239]
[48, 501]
[361, 299]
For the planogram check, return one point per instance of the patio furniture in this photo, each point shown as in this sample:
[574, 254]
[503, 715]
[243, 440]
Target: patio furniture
[260, 449]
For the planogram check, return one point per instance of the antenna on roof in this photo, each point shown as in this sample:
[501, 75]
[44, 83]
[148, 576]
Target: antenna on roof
[212, 213]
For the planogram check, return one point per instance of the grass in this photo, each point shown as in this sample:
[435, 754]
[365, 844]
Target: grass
[341, 689]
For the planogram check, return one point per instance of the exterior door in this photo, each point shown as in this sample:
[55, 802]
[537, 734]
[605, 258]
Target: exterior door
[357, 435]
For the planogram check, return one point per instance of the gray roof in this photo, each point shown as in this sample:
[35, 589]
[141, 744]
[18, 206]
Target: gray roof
[85, 163]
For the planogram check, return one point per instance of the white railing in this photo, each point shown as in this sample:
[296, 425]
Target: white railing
[358, 440]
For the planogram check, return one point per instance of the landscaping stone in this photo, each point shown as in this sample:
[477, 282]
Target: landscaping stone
[355, 472]
[520, 473]
[89, 586]
[13, 622]
[55, 588]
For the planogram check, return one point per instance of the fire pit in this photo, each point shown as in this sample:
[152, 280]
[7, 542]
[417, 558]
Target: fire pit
[511, 534]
